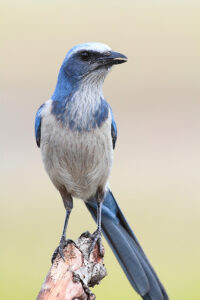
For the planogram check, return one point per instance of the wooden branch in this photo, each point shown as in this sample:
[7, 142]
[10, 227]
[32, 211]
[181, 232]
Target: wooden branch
[71, 279]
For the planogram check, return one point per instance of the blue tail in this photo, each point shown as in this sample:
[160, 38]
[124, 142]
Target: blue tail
[127, 249]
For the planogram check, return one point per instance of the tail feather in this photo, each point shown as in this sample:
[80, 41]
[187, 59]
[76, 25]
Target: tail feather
[126, 257]
[127, 249]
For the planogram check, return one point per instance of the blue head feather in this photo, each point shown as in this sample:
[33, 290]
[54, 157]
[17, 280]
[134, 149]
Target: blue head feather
[73, 69]
[72, 72]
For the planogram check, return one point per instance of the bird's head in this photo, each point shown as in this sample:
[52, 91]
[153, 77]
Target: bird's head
[89, 62]
[95, 58]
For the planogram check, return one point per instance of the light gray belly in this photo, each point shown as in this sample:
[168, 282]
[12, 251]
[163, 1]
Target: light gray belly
[79, 161]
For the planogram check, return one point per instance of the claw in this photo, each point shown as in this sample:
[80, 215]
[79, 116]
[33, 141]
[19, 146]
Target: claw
[97, 239]
[60, 248]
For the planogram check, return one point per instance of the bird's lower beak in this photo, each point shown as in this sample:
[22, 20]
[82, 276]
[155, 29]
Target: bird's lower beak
[112, 58]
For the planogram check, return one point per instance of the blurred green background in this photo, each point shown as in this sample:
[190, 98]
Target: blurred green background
[156, 172]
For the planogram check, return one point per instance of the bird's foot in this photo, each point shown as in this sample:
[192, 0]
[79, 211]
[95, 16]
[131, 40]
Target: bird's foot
[96, 239]
[60, 248]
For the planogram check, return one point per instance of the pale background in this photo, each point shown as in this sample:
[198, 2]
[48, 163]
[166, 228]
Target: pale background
[156, 172]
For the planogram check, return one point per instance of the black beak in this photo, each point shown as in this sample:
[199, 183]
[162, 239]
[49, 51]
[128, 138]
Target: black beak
[112, 58]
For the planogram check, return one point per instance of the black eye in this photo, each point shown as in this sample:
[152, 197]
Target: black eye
[85, 55]
[107, 53]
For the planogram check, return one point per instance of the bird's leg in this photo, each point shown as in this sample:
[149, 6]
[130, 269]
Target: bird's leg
[68, 203]
[97, 233]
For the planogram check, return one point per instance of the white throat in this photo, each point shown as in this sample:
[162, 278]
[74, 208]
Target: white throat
[87, 99]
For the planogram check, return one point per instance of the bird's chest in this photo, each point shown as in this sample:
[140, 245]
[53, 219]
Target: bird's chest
[78, 159]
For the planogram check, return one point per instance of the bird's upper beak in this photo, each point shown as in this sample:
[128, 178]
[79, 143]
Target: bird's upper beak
[112, 58]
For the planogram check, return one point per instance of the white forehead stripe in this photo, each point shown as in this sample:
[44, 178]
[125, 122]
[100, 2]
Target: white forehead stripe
[99, 47]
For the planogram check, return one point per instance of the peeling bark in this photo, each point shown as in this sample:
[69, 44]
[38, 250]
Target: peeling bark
[71, 279]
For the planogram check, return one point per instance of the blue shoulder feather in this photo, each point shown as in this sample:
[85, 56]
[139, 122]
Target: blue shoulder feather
[38, 120]
[113, 129]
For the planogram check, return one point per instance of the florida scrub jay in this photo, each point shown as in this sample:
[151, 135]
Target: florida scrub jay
[76, 133]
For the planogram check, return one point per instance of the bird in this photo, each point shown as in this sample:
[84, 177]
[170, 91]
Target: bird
[76, 132]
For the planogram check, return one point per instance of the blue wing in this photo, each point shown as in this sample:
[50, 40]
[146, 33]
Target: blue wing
[113, 129]
[38, 120]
